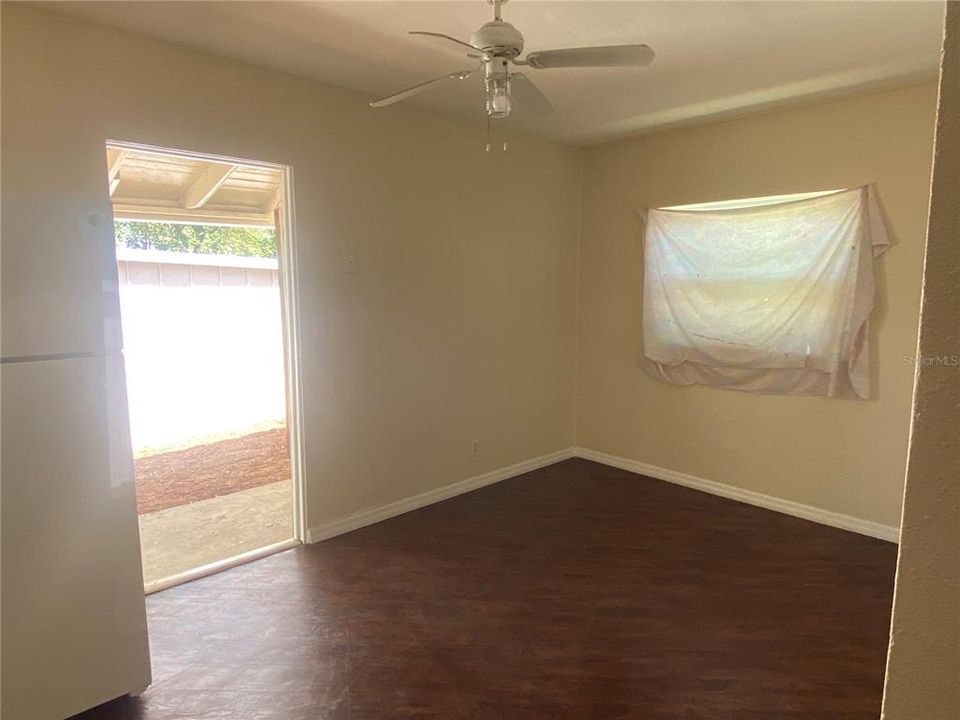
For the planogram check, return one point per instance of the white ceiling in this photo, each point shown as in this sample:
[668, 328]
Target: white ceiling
[713, 58]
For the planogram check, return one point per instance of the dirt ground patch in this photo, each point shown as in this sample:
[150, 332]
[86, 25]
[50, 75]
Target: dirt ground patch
[171, 479]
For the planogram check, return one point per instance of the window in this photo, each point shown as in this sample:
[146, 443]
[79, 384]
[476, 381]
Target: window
[766, 295]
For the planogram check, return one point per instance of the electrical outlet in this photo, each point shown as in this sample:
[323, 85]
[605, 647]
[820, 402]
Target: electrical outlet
[475, 448]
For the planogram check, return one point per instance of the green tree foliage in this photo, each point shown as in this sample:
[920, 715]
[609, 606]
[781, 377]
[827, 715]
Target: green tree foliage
[202, 239]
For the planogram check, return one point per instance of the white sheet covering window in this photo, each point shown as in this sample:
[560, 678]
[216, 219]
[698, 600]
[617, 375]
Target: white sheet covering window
[767, 298]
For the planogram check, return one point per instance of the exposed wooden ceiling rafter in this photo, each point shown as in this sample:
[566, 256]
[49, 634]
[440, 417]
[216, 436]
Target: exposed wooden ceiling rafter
[115, 158]
[274, 201]
[211, 179]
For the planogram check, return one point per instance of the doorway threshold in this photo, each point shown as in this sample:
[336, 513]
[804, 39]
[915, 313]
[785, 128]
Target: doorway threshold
[218, 566]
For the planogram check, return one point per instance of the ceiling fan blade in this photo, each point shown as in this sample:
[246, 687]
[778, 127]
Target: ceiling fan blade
[608, 56]
[528, 96]
[404, 94]
[452, 42]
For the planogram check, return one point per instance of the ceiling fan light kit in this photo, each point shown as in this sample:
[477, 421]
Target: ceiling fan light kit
[498, 44]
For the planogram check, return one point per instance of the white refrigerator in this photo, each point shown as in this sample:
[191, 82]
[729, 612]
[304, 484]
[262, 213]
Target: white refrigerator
[74, 630]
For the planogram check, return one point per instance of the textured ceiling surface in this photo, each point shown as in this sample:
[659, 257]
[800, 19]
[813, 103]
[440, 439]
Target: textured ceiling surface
[713, 58]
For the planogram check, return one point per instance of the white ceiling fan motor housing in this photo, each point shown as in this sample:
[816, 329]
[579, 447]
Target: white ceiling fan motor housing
[498, 38]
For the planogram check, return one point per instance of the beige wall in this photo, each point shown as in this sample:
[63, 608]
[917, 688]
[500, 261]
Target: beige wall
[839, 455]
[923, 671]
[458, 322]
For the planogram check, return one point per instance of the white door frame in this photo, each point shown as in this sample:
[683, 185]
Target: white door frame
[290, 300]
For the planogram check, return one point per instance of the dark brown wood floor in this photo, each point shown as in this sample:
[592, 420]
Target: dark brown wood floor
[574, 592]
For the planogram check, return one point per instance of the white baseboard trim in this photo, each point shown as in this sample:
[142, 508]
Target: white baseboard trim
[807, 512]
[357, 520]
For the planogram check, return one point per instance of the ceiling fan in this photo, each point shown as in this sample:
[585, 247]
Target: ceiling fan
[496, 45]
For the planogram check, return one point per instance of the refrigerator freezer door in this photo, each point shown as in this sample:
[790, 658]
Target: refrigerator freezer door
[59, 277]
[73, 614]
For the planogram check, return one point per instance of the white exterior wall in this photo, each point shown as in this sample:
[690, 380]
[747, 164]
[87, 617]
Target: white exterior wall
[203, 346]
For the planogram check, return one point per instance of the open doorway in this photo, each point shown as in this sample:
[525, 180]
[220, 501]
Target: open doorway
[206, 299]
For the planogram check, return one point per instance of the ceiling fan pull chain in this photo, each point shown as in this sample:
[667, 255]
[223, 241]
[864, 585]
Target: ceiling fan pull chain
[487, 148]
